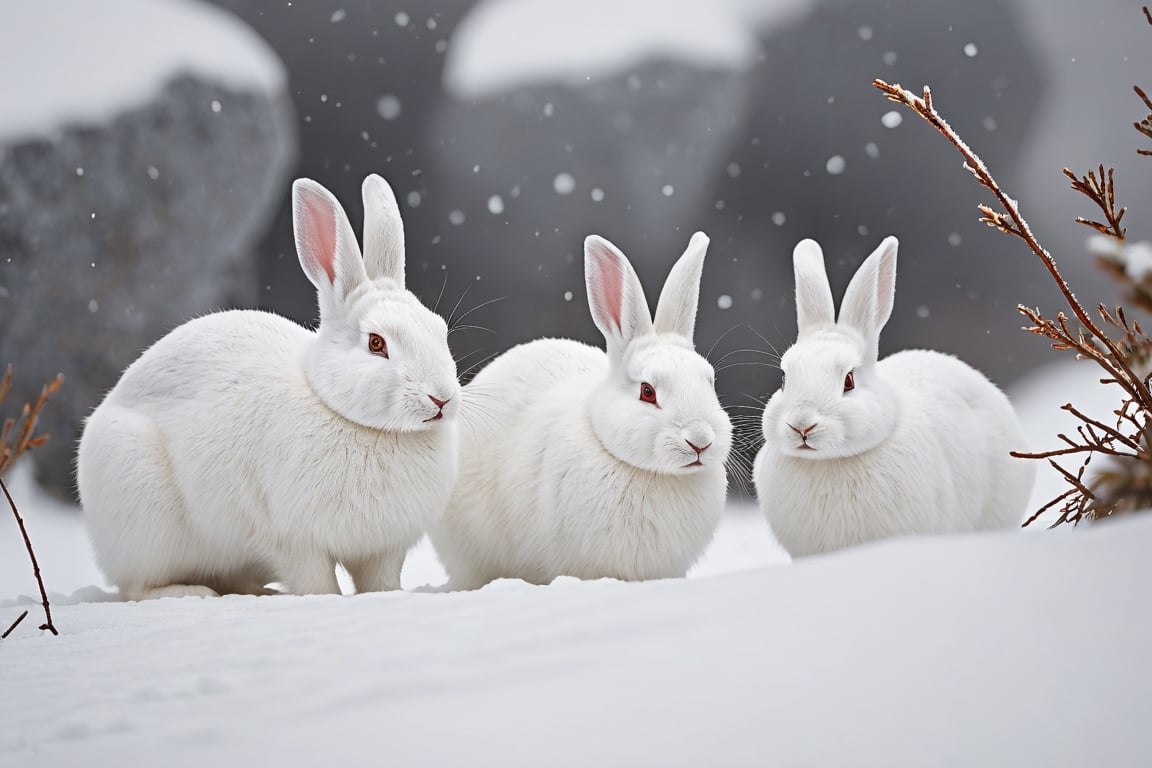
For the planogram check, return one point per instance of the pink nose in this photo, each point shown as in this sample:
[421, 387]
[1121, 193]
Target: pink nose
[439, 403]
[802, 432]
[696, 448]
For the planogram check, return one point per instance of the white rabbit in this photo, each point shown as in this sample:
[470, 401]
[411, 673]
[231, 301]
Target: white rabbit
[857, 450]
[242, 449]
[580, 463]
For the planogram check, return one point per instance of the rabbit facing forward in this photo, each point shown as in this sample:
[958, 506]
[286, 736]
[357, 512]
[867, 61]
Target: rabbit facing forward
[242, 449]
[593, 464]
[858, 449]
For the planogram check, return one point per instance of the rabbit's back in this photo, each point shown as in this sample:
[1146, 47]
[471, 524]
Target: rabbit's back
[223, 360]
[975, 429]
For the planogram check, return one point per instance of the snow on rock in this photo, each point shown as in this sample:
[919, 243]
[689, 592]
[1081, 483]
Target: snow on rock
[82, 63]
[504, 44]
[1135, 257]
[968, 650]
[151, 144]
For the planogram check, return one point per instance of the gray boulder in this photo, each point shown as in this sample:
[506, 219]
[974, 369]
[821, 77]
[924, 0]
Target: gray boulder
[111, 235]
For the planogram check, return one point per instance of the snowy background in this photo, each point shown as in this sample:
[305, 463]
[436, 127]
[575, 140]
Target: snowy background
[145, 155]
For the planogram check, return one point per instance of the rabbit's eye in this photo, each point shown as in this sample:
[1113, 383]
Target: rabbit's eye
[648, 393]
[850, 381]
[377, 345]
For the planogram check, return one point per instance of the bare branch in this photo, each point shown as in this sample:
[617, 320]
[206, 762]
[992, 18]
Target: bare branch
[15, 624]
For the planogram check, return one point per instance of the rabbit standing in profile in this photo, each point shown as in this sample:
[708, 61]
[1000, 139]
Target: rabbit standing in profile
[583, 463]
[242, 449]
[857, 450]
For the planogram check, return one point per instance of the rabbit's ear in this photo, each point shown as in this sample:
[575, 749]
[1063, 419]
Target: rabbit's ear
[383, 231]
[869, 298]
[614, 294]
[325, 242]
[815, 309]
[676, 310]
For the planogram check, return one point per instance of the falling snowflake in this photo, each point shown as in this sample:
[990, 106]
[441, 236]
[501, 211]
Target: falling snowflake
[564, 184]
[388, 106]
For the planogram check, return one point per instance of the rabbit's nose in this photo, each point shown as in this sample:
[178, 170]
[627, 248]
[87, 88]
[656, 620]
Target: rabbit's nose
[802, 431]
[698, 435]
[439, 403]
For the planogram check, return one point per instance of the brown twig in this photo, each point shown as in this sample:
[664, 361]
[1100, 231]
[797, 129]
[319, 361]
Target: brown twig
[1101, 191]
[29, 414]
[25, 440]
[1145, 125]
[35, 565]
[15, 624]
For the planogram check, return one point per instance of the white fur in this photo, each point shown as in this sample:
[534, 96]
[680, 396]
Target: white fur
[242, 449]
[564, 470]
[921, 445]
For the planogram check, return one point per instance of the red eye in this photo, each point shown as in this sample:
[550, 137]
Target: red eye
[377, 345]
[648, 393]
[850, 381]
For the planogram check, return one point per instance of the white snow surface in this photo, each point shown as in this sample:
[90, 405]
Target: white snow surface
[979, 650]
[502, 44]
[993, 649]
[70, 62]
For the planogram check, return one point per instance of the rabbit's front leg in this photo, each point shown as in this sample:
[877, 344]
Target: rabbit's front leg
[309, 573]
[376, 573]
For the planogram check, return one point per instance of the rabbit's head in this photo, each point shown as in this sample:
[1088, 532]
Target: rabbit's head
[657, 409]
[380, 358]
[831, 403]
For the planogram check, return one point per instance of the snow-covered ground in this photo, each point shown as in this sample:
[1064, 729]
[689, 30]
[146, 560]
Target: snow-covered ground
[995, 649]
[976, 650]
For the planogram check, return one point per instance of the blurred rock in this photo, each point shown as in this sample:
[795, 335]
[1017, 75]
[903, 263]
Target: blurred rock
[365, 83]
[111, 235]
[524, 177]
[821, 157]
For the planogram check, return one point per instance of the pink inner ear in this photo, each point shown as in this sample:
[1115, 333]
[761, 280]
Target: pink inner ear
[608, 284]
[321, 234]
